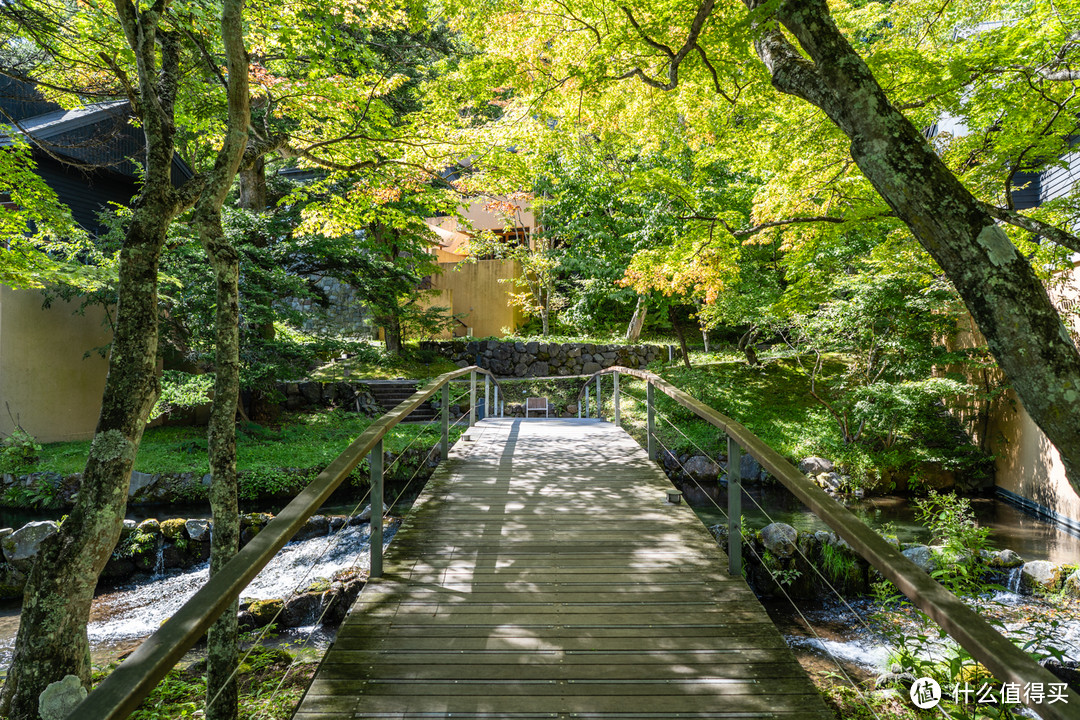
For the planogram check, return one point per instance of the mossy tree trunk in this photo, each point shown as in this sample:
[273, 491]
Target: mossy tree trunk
[997, 284]
[52, 641]
[222, 638]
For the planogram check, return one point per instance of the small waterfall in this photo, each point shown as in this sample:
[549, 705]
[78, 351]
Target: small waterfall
[1012, 579]
[159, 560]
[138, 609]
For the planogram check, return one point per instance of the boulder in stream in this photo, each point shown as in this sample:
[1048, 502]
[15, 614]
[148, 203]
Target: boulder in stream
[197, 529]
[815, 465]
[1039, 575]
[779, 539]
[922, 556]
[22, 546]
[702, 469]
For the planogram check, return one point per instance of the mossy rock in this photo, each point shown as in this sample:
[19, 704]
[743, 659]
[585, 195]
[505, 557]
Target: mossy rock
[173, 528]
[319, 585]
[263, 612]
[149, 526]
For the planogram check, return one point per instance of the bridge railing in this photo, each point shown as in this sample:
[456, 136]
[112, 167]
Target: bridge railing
[997, 653]
[120, 694]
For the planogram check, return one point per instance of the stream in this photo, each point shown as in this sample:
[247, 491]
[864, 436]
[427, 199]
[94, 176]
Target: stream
[121, 617]
[835, 636]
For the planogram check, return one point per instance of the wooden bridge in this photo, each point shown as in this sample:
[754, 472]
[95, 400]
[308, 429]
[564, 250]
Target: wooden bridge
[543, 574]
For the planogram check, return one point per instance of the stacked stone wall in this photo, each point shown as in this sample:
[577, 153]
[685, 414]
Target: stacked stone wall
[536, 359]
[344, 315]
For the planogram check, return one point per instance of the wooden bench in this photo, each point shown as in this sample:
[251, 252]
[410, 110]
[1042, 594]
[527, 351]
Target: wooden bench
[537, 404]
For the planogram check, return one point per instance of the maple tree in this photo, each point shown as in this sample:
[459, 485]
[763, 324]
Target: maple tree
[224, 86]
[829, 104]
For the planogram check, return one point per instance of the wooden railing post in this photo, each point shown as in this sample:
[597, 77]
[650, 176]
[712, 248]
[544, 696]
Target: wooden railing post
[615, 397]
[599, 401]
[650, 424]
[498, 410]
[472, 398]
[734, 506]
[487, 396]
[586, 401]
[444, 442]
[375, 537]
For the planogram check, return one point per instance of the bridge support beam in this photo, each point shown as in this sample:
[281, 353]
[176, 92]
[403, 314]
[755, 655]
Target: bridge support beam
[650, 425]
[375, 538]
[734, 506]
[472, 398]
[615, 397]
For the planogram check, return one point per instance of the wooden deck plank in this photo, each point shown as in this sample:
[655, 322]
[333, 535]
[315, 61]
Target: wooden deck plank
[542, 574]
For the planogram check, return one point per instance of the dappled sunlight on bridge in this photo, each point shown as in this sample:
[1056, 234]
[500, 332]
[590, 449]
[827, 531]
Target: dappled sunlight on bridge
[544, 574]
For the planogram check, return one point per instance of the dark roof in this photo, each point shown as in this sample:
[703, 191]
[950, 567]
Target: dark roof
[19, 100]
[96, 136]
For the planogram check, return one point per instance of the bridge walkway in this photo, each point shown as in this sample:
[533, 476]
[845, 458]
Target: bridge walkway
[541, 574]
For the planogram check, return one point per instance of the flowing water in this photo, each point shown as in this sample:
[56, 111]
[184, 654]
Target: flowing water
[120, 618]
[836, 637]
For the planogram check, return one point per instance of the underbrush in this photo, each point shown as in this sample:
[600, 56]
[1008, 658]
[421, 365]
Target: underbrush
[270, 686]
[302, 440]
[774, 402]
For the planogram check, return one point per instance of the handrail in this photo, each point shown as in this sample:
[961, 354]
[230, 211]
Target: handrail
[120, 694]
[1007, 662]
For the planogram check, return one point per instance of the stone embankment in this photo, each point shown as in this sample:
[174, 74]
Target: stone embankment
[153, 547]
[536, 359]
[780, 561]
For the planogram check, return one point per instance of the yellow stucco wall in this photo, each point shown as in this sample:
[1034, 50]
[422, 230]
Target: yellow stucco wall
[1027, 464]
[50, 388]
[477, 296]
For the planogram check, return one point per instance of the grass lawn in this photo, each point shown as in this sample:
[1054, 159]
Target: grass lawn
[304, 440]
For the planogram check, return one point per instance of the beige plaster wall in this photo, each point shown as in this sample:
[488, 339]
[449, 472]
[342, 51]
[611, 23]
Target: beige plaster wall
[50, 388]
[1027, 464]
[478, 218]
[477, 296]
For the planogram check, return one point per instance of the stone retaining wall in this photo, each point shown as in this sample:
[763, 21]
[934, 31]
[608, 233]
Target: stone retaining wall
[536, 359]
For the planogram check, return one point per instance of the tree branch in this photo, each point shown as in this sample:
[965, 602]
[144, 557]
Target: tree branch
[675, 58]
[1051, 232]
[754, 229]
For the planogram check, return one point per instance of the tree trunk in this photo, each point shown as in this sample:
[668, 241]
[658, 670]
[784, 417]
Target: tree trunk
[221, 640]
[52, 642]
[253, 186]
[746, 344]
[392, 333]
[997, 284]
[682, 337]
[633, 331]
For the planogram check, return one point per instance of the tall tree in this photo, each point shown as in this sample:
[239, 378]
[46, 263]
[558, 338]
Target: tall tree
[703, 64]
[52, 641]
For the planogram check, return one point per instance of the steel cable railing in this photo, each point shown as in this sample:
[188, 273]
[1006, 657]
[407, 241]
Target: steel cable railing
[119, 694]
[319, 621]
[1004, 660]
[776, 579]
